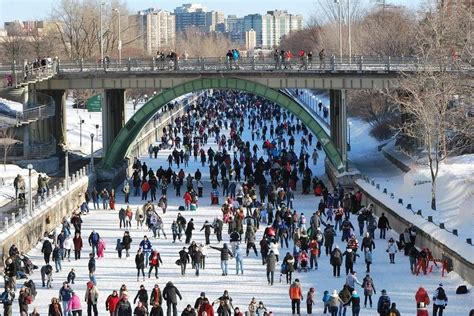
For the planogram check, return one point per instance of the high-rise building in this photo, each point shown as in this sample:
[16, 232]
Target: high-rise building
[250, 39]
[235, 28]
[191, 14]
[28, 28]
[254, 22]
[153, 29]
[276, 24]
[213, 19]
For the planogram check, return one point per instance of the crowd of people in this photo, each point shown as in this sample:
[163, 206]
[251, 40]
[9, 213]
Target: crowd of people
[258, 181]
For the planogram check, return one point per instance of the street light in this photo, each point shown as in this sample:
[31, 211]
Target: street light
[66, 168]
[92, 151]
[100, 35]
[349, 143]
[340, 27]
[119, 37]
[81, 121]
[30, 198]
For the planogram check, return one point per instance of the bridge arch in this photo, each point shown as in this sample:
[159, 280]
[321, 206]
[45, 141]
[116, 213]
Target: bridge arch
[122, 143]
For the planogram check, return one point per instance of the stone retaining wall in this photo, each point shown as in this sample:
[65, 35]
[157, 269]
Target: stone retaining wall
[26, 233]
[461, 266]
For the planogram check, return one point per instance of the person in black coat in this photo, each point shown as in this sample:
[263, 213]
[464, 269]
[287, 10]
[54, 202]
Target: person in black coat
[383, 225]
[336, 261]
[189, 231]
[156, 310]
[140, 263]
[47, 249]
[170, 295]
[183, 260]
[124, 308]
[142, 296]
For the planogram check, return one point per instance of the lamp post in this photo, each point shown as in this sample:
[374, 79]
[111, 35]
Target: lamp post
[119, 37]
[92, 151]
[100, 35]
[340, 27]
[81, 121]
[349, 134]
[30, 198]
[66, 168]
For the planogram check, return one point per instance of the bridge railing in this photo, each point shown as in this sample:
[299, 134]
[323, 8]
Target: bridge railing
[196, 64]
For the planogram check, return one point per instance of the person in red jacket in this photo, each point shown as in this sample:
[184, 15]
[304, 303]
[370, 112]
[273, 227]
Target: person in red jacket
[422, 296]
[187, 200]
[112, 302]
[145, 189]
[155, 296]
[206, 307]
[314, 250]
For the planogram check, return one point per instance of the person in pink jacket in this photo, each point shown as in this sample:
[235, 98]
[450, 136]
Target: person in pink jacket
[101, 248]
[74, 305]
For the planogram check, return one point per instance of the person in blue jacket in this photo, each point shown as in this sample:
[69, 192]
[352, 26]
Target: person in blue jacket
[146, 246]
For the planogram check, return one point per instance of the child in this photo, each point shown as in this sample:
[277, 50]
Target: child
[101, 248]
[71, 276]
[329, 214]
[261, 309]
[119, 247]
[310, 300]
[326, 298]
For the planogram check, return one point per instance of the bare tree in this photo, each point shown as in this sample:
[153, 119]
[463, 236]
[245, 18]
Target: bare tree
[6, 142]
[307, 39]
[15, 45]
[78, 26]
[437, 98]
[387, 32]
[195, 42]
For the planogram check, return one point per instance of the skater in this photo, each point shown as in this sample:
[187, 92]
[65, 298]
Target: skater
[391, 250]
[440, 300]
[140, 263]
[310, 301]
[170, 294]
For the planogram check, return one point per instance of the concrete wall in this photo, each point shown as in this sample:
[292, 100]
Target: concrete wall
[423, 240]
[25, 234]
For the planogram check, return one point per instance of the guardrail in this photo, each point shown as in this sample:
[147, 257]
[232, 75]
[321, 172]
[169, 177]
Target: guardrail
[38, 202]
[199, 64]
[16, 75]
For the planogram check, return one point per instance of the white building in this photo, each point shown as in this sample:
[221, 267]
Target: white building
[154, 29]
[250, 39]
[276, 24]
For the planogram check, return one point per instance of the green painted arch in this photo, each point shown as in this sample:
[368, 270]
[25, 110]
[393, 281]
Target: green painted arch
[122, 143]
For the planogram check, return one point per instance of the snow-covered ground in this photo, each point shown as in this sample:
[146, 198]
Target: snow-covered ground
[112, 272]
[455, 184]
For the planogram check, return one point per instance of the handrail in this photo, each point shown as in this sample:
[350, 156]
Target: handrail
[199, 64]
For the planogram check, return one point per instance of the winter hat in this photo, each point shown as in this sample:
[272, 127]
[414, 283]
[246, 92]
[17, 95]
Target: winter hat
[203, 294]
[441, 284]
[354, 292]
[384, 292]
[297, 280]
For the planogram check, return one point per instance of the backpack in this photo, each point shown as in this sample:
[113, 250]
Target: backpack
[441, 294]
[462, 289]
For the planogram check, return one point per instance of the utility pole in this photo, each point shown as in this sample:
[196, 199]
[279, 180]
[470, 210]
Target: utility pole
[340, 27]
[349, 29]
[100, 35]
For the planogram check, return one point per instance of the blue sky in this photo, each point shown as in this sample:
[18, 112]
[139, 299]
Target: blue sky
[39, 9]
